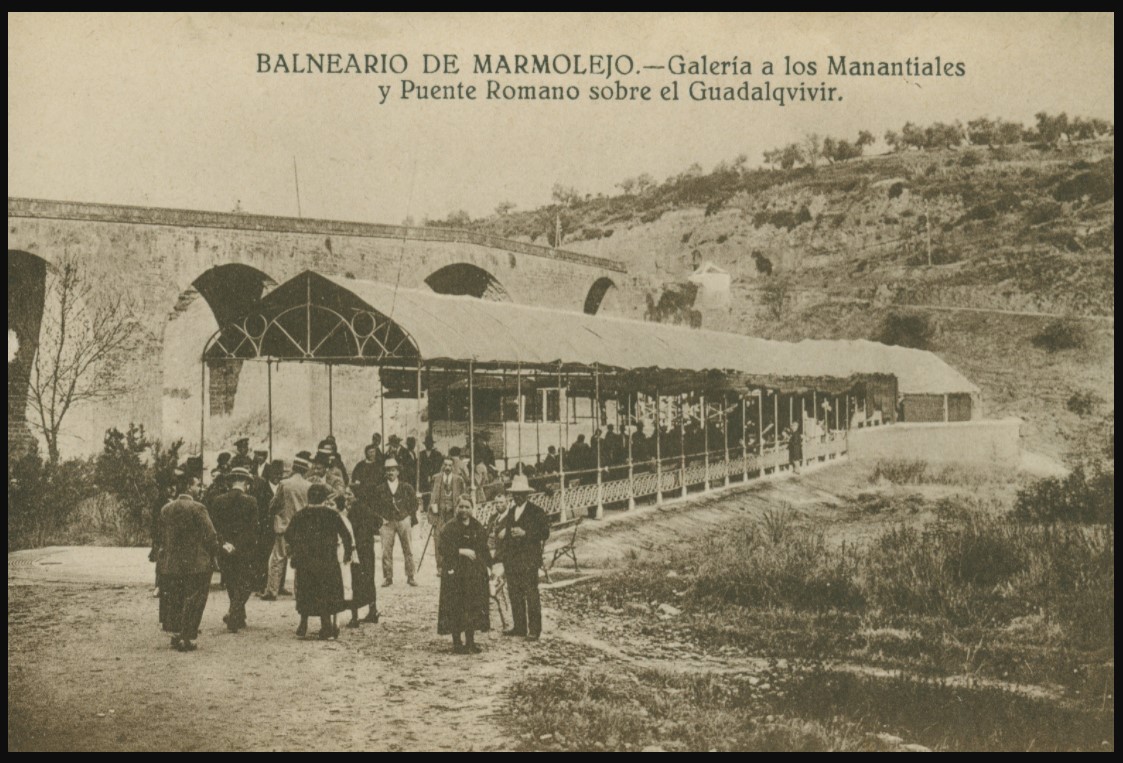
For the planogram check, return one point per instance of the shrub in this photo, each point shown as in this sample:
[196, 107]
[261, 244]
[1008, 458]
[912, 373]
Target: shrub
[1083, 403]
[1079, 497]
[900, 471]
[970, 159]
[775, 298]
[1043, 212]
[1097, 186]
[780, 566]
[962, 571]
[1061, 335]
[42, 497]
[137, 472]
[981, 212]
[907, 330]
[896, 190]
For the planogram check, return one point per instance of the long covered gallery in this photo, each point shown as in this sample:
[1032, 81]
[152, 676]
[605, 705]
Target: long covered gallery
[597, 411]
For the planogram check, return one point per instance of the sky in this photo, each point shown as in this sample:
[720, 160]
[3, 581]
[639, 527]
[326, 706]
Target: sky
[169, 110]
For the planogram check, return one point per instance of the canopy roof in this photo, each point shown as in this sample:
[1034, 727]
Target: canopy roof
[347, 321]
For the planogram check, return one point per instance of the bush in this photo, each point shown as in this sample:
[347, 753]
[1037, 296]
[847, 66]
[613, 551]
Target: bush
[970, 159]
[896, 190]
[1083, 403]
[777, 565]
[900, 471]
[907, 471]
[1097, 186]
[775, 297]
[137, 472]
[783, 218]
[1061, 335]
[981, 212]
[1043, 212]
[907, 330]
[43, 497]
[1079, 497]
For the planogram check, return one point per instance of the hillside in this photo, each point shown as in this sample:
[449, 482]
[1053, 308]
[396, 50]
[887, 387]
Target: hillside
[839, 250]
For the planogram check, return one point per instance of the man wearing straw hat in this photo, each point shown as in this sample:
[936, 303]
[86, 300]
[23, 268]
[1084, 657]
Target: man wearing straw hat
[396, 502]
[291, 497]
[524, 531]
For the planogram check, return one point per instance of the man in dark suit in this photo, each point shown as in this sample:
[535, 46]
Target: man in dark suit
[431, 460]
[366, 522]
[395, 501]
[264, 488]
[235, 518]
[525, 529]
[242, 456]
[187, 549]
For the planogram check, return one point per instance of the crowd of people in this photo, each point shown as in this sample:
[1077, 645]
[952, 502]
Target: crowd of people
[255, 521]
[669, 442]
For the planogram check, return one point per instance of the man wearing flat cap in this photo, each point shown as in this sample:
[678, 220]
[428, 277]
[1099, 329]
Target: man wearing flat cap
[395, 501]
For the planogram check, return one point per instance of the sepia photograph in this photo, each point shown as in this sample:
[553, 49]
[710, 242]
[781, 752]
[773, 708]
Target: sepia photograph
[639, 382]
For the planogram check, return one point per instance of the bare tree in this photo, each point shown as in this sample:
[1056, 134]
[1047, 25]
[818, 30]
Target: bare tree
[79, 334]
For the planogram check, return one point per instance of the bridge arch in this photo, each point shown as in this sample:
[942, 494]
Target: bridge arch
[465, 279]
[217, 295]
[27, 289]
[602, 294]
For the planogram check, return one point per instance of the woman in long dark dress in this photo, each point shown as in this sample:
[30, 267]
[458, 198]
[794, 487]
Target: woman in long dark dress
[464, 597]
[313, 536]
[365, 523]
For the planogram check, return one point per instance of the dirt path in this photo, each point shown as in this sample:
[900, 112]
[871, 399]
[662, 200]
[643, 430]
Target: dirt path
[88, 668]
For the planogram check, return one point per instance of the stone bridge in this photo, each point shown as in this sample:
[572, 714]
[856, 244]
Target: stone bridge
[160, 261]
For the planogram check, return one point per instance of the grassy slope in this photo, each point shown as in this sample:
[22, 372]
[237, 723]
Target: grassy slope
[1014, 229]
[899, 605]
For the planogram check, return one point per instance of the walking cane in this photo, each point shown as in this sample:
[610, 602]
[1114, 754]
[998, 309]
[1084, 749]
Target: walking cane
[426, 546]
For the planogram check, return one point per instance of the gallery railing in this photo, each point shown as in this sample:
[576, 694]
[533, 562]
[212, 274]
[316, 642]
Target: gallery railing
[565, 496]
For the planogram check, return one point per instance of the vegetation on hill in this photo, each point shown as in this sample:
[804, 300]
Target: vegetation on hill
[1016, 222]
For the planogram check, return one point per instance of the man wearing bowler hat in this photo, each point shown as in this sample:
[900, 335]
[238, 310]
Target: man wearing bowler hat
[524, 530]
[235, 519]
